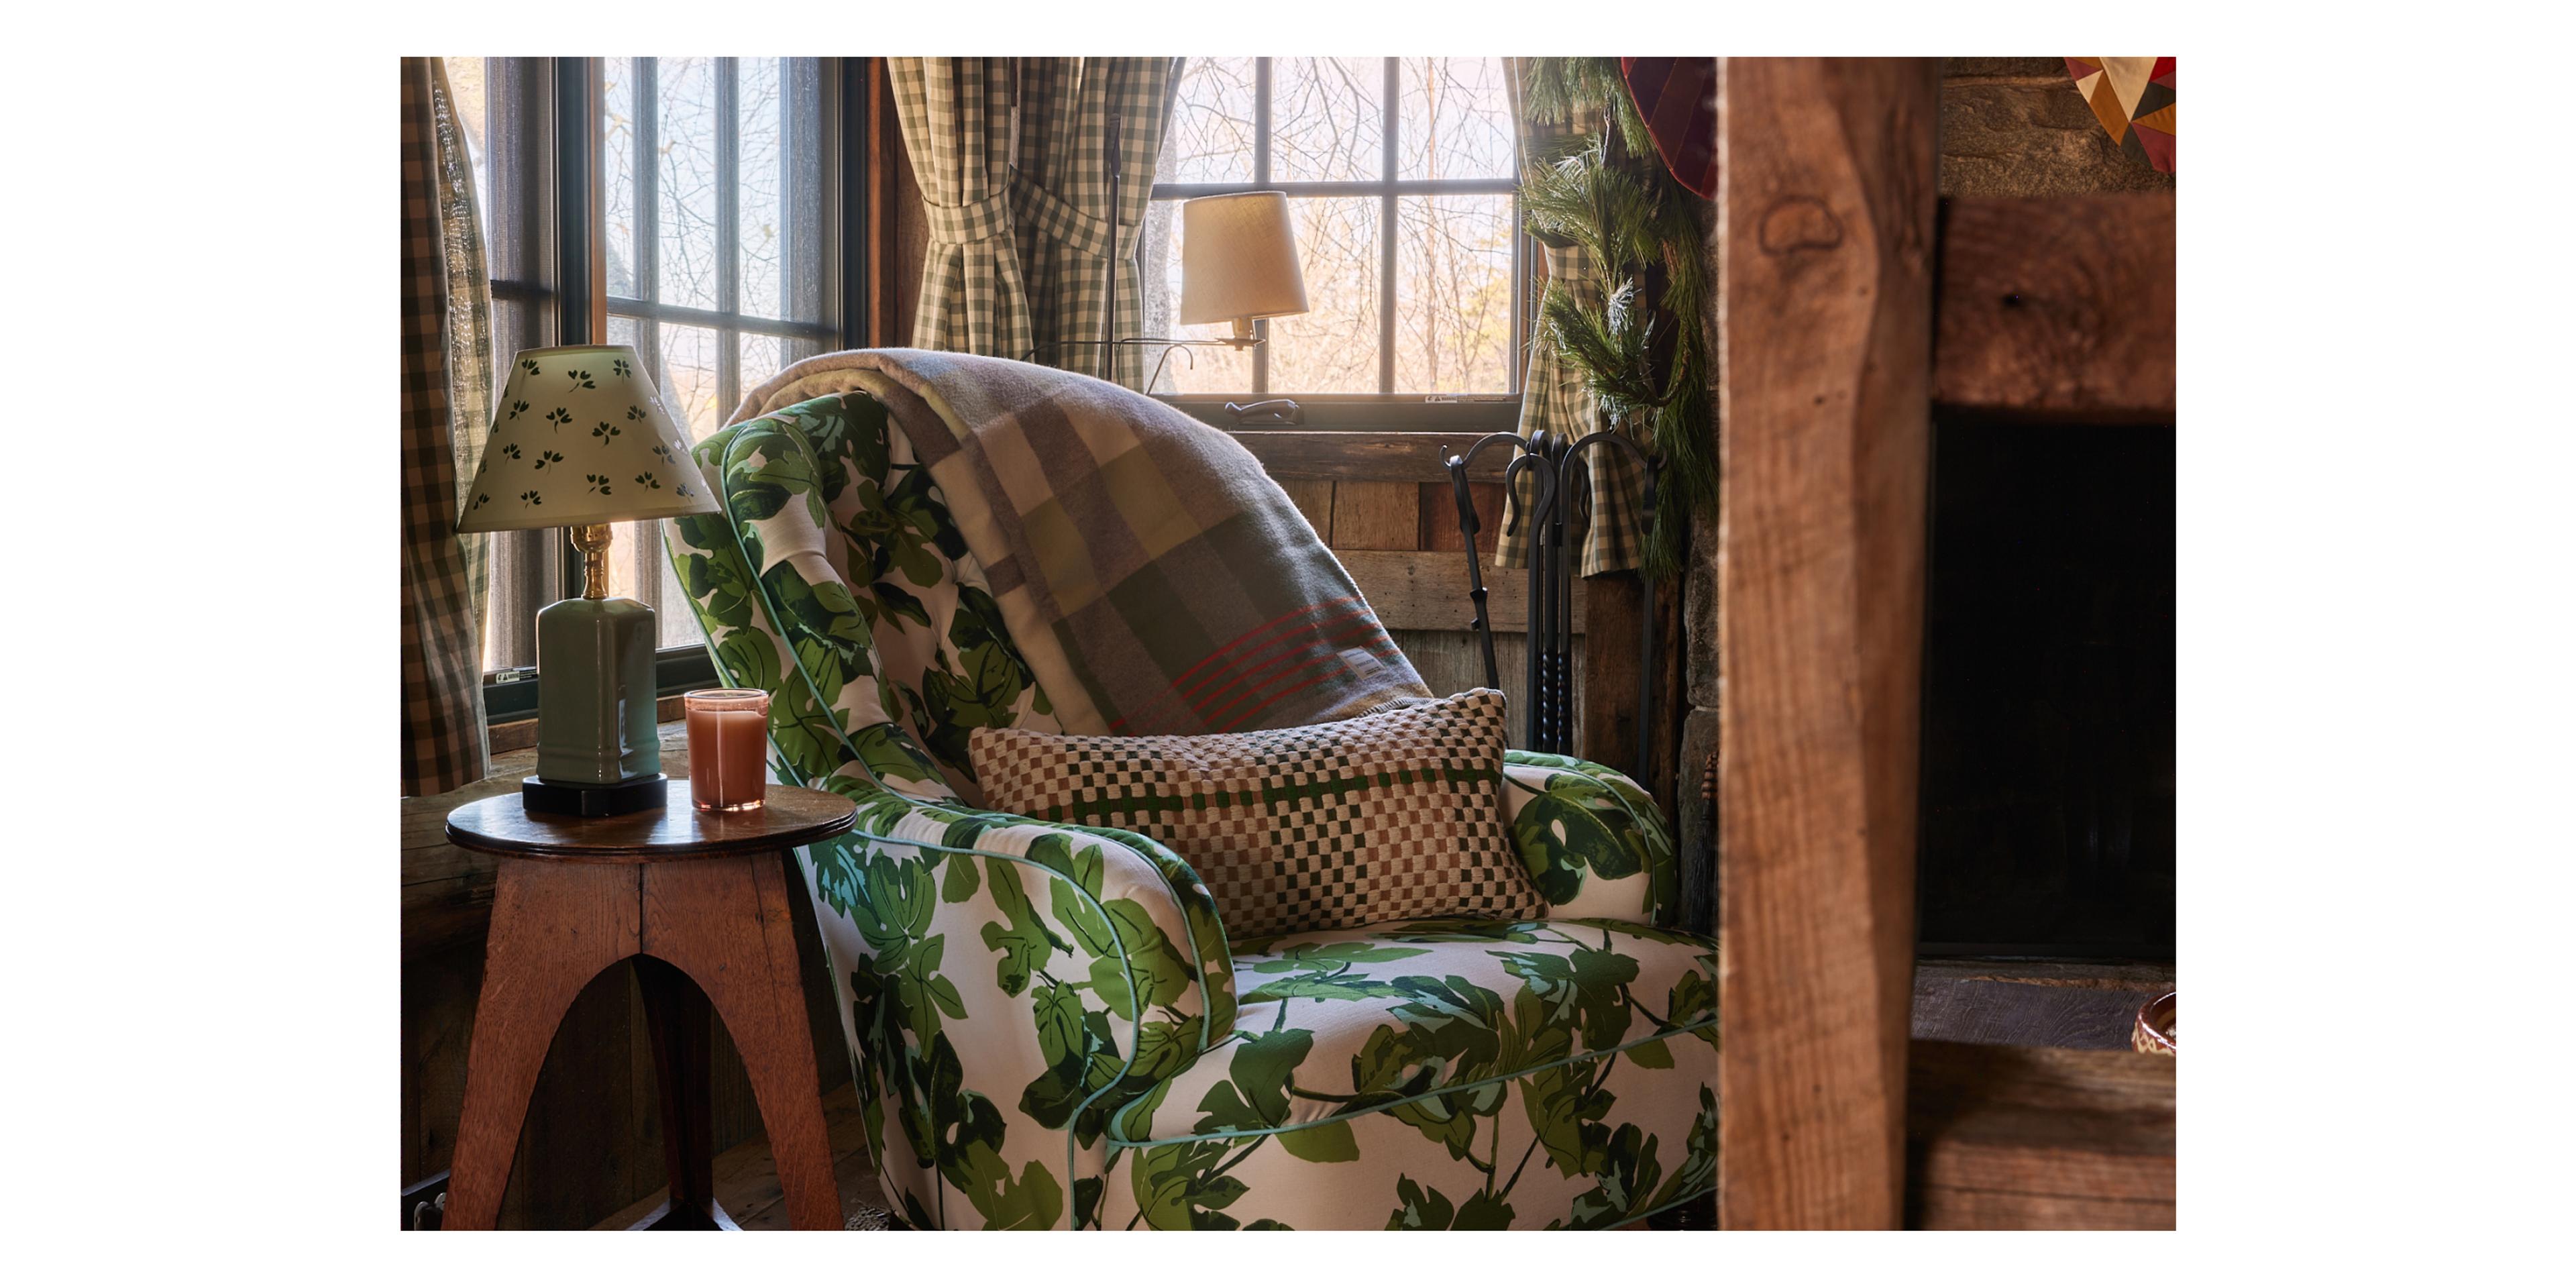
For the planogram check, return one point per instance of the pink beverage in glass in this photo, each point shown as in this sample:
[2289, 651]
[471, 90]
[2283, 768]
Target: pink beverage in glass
[728, 747]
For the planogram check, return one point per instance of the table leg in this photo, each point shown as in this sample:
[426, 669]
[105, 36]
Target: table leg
[726, 922]
[681, 1023]
[555, 927]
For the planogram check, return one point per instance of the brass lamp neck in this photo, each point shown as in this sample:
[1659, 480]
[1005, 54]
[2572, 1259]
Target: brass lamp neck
[591, 539]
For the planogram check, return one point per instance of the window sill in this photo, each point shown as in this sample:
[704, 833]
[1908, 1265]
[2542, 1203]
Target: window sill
[521, 735]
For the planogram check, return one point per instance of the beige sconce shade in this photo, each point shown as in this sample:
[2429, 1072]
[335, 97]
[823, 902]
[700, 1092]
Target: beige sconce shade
[580, 437]
[1239, 259]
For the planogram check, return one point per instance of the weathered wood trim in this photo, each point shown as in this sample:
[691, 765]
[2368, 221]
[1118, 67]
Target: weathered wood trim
[1825, 234]
[2038, 1138]
[2058, 308]
[1366, 456]
[1426, 590]
[519, 735]
[1607, 733]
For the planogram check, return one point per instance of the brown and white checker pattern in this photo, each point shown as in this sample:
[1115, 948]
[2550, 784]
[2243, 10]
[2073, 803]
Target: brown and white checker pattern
[1392, 815]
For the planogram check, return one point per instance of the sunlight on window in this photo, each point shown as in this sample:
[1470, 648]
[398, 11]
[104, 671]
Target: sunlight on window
[1455, 251]
[1324, 119]
[1454, 120]
[1331, 348]
[1210, 139]
[685, 183]
[1453, 294]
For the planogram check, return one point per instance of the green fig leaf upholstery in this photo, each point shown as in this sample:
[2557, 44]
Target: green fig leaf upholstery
[1046, 1024]
[1554, 1073]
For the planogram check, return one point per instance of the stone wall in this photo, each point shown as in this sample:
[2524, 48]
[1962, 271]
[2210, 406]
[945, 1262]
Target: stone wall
[2015, 127]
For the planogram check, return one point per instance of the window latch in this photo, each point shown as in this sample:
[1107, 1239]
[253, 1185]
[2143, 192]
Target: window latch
[1269, 411]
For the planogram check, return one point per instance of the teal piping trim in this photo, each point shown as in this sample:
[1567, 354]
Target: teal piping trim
[1116, 1133]
[759, 597]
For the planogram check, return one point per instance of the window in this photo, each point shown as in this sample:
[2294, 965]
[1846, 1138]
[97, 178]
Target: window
[1407, 222]
[697, 199]
[712, 183]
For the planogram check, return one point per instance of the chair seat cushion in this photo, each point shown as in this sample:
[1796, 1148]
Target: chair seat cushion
[1443, 1074]
[1336, 1023]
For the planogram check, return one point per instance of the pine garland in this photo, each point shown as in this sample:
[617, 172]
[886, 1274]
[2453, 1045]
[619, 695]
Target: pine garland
[1640, 348]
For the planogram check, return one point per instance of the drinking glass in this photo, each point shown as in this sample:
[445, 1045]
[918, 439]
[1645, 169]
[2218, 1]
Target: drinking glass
[728, 747]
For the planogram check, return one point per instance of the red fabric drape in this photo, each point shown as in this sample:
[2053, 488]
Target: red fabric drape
[1678, 99]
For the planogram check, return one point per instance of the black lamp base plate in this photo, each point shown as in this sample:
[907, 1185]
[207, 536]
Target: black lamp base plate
[593, 800]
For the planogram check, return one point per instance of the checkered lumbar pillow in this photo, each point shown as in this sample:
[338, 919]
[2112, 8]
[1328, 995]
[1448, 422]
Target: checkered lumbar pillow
[1395, 814]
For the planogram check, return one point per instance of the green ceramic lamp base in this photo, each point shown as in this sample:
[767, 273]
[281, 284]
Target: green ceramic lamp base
[598, 752]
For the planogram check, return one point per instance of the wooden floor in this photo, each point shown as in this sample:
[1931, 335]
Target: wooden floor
[2086, 1005]
[747, 1181]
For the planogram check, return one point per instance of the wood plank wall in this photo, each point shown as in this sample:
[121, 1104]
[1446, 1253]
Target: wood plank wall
[1399, 538]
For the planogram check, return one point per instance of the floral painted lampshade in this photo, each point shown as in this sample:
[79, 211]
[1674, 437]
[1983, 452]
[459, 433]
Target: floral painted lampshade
[580, 437]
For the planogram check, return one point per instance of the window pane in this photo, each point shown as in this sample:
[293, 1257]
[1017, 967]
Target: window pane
[1453, 294]
[762, 226]
[617, 180]
[764, 356]
[1454, 120]
[677, 622]
[688, 378]
[519, 585]
[1195, 370]
[1325, 118]
[685, 136]
[634, 559]
[1333, 348]
[1210, 139]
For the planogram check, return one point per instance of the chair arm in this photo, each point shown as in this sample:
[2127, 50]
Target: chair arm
[1109, 970]
[1593, 839]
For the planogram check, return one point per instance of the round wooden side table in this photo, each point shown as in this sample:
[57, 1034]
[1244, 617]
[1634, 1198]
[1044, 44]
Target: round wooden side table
[692, 895]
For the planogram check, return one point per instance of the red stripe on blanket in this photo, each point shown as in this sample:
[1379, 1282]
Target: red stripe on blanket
[1297, 643]
[1333, 664]
[1240, 640]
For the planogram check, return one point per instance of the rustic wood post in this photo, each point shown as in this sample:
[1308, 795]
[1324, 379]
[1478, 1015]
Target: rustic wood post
[1825, 230]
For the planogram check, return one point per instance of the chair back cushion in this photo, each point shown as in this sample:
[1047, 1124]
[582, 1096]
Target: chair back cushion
[1391, 815]
[868, 611]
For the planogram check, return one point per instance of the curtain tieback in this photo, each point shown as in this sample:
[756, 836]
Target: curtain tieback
[979, 220]
[1057, 218]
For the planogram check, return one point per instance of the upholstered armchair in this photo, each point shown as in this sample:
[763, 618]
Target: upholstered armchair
[1049, 1025]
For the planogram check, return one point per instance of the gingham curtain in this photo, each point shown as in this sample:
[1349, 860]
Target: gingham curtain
[1553, 397]
[956, 116]
[1059, 199]
[446, 365]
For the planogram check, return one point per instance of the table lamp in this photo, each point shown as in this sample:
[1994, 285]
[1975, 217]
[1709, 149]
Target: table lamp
[1239, 262]
[580, 441]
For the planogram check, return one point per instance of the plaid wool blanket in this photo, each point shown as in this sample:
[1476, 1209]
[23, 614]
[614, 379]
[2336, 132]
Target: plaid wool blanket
[1154, 577]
